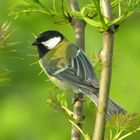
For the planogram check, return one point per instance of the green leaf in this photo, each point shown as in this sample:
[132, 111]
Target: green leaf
[5, 34]
[123, 126]
[35, 6]
[61, 21]
[86, 136]
[120, 19]
[129, 133]
[134, 5]
[116, 3]
[58, 102]
[29, 8]
[76, 14]
[93, 22]
[89, 10]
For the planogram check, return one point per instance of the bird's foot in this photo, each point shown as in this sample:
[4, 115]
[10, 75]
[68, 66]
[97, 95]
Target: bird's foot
[76, 98]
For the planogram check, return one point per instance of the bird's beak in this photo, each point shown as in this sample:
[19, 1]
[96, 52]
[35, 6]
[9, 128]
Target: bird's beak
[35, 43]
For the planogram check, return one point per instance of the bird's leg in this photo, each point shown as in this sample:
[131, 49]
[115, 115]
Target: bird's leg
[75, 99]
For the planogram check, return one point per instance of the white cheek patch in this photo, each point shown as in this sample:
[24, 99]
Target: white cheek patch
[51, 43]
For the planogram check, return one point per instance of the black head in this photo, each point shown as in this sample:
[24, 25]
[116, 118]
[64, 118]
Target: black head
[47, 41]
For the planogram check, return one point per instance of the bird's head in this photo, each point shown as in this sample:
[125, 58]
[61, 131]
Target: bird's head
[46, 41]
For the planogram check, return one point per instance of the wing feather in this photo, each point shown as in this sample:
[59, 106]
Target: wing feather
[79, 74]
[86, 69]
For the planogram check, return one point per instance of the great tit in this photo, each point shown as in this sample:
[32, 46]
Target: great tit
[69, 68]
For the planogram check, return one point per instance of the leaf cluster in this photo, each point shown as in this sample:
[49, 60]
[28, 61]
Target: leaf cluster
[91, 13]
[58, 101]
[36, 7]
[121, 126]
[5, 34]
[118, 126]
[122, 9]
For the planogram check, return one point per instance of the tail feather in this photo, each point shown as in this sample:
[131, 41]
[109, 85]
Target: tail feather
[112, 109]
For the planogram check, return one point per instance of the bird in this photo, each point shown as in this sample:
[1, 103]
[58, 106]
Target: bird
[67, 66]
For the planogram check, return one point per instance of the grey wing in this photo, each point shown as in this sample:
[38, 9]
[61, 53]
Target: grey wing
[79, 74]
[84, 69]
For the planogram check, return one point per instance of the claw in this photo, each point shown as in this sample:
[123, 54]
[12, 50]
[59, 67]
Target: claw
[76, 98]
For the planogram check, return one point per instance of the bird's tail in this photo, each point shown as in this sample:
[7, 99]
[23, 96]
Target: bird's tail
[112, 109]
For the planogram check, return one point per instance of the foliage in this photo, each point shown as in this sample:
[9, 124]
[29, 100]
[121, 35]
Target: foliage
[5, 34]
[118, 126]
[36, 6]
[58, 101]
[91, 13]
[123, 8]
[122, 126]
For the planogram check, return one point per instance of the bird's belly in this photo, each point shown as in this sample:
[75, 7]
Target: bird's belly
[62, 85]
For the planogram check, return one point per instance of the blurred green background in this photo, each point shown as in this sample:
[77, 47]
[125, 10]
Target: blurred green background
[24, 114]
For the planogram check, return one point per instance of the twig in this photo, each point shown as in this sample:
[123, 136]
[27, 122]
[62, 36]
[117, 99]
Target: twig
[128, 134]
[79, 33]
[106, 59]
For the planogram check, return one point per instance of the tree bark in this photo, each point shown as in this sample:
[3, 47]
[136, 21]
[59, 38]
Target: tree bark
[79, 33]
[106, 59]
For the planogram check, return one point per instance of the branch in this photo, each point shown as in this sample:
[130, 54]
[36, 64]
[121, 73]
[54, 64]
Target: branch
[78, 26]
[79, 33]
[106, 59]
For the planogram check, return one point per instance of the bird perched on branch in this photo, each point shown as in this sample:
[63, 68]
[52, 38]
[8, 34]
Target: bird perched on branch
[69, 68]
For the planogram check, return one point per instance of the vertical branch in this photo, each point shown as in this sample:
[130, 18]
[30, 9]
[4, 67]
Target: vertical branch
[79, 33]
[106, 59]
[78, 26]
